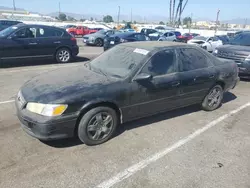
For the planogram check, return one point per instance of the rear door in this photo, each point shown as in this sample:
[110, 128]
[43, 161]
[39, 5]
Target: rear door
[140, 37]
[197, 75]
[49, 40]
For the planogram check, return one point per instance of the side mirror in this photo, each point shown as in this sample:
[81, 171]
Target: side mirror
[143, 76]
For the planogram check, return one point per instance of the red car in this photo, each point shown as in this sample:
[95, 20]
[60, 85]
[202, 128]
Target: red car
[80, 30]
[186, 36]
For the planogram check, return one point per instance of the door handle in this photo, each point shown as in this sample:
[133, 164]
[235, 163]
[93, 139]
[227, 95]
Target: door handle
[57, 42]
[175, 84]
[33, 43]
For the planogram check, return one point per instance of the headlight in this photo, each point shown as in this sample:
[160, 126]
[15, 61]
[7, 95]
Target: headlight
[46, 109]
[248, 58]
[215, 51]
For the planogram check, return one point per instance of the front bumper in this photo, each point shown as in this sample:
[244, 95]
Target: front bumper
[46, 128]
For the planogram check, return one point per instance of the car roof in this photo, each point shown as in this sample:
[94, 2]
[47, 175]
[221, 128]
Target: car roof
[37, 25]
[152, 45]
[123, 34]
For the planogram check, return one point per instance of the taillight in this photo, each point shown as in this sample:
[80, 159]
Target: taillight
[73, 39]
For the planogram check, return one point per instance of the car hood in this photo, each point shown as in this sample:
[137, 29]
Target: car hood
[234, 48]
[64, 85]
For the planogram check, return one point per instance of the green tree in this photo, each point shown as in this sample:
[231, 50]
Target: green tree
[187, 21]
[124, 21]
[161, 23]
[134, 22]
[70, 18]
[91, 19]
[82, 20]
[62, 17]
[108, 19]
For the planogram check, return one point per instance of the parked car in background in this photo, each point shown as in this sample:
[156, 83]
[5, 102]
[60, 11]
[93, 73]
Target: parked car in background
[155, 36]
[207, 43]
[24, 41]
[237, 50]
[97, 38]
[7, 23]
[123, 38]
[128, 82]
[147, 31]
[69, 26]
[168, 36]
[80, 31]
[186, 37]
[97, 28]
[164, 29]
[177, 33]
[224, 38]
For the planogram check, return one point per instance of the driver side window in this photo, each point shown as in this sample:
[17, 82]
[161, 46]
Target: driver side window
[161, 63]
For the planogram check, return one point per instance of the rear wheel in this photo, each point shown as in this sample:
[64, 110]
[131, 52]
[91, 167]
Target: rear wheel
[63, 55]
[98, 125]
[213, 99]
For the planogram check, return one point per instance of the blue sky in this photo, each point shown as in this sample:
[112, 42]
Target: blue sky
[200, 8]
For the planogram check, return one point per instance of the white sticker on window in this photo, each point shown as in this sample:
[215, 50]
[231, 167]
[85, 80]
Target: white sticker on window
[141, 51]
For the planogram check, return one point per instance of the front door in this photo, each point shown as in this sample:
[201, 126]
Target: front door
[22, 44]
[159, 94]
[197, 75]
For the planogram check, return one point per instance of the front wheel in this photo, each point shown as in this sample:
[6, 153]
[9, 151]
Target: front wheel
[63, 55]
[213, 99]
[97, 126]
[99, 42]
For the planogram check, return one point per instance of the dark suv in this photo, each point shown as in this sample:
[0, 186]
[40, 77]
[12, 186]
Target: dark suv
[238, 49]
[7, 23]
[37, 41]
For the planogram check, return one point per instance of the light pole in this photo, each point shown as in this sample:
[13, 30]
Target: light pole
[14, 5]
[118, 14]
[216, 23]
[190, 23]
[131, 16]
[59, 6]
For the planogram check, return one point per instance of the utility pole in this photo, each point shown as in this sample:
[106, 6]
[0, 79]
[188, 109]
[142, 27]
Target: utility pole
[173, 10]
[190, 24]
[14, 5]
[59, 10]
[131, 16]
[217, 20]
[170, 12]
[118, 14]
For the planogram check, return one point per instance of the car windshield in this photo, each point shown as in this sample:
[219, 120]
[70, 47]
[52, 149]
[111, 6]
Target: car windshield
[200, 38]
[6, 32]
[119, 61]
[241, 39]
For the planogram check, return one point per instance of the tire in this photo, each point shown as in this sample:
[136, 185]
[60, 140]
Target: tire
[216, 93]
[174, 40]
[99, 42]
[63, 55]
[95, 134]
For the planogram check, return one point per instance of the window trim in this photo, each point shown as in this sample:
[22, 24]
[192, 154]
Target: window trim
[50, 36]
[19, 29]
[180, 63]
[150, 57]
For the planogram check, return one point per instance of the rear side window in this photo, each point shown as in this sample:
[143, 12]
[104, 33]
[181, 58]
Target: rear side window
[192, 59]
[48, 32]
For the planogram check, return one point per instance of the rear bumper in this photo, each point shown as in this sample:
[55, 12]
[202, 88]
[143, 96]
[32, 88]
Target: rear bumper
[75, 51]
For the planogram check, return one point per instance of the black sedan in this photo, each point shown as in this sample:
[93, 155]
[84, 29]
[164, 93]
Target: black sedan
[24, 41]
[118, 38]
[129, 81]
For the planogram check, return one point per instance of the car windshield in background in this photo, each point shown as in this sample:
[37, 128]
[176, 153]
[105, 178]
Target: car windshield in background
[200, 38]
[241, 39]
[102, 31]
[6, 32]
[119, 61]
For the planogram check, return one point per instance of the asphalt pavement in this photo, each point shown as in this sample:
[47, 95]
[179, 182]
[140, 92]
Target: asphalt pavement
[180, 149]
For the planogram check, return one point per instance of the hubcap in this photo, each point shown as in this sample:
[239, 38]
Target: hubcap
[100, 126]
[214, 97]
[64, 55]
[99, 42]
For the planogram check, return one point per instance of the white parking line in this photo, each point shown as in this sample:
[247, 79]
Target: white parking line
[39, 68]
[144, 163]
[5, 102]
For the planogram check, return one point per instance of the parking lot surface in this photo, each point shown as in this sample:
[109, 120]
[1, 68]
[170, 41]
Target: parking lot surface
[182, 148]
